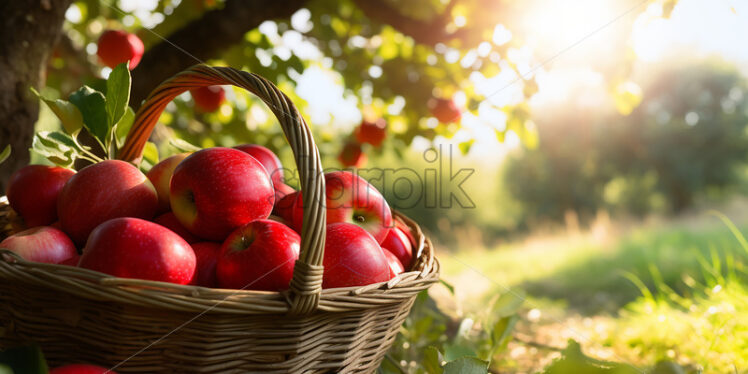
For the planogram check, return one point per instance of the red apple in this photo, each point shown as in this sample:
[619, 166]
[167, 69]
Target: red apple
[72, 261]
[445, 110]
[41, 244]
[160, 176]
[407, 231]
[352, 258]
[258, 256]
[217, 190]
[81, 369]
[372, 132]
[102, 191]
[352, 156]
[117, 46]
[209, 98]
[281, 190]
[33, 191]
[170, 221]
[136, 248]
[206, 254]
[267, 158]
[396, 267]
[284, 204]
[399, 244]
[351, 199]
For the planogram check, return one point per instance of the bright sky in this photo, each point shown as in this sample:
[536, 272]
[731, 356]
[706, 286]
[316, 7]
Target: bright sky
[696, 29]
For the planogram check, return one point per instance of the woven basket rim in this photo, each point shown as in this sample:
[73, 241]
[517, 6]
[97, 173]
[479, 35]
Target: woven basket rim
[305, 294]
[170, 296]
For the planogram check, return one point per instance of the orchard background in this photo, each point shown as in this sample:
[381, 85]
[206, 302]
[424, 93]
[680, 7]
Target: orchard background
[605, 143]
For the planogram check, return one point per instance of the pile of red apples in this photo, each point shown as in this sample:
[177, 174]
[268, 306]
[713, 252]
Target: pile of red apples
[218, 217]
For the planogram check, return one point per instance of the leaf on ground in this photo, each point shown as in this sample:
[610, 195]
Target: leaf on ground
[574, 361]
[508, 303]
[466, 365]
[455, 351]
[502, 332]
[432, 361]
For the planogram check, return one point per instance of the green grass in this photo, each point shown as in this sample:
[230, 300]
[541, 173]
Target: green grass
[590, 276]
[708, 329]
[676, 291]
[704, 326]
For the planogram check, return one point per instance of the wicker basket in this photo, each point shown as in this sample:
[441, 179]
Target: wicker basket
[130, 325]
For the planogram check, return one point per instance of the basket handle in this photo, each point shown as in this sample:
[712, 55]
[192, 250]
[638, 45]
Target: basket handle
[306, 284]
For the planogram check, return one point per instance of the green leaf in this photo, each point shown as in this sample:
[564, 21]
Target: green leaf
[455, 351]
[61, 138]
[26, 360]
[432, 361]
[58, 147]
[502, 332]
[183, 146]
[5, 154]
[574, 361]
[466, 365]
[465, 146]
[296, 64]
[92, 106]
[123, 126]
[69, 115]
[117, 93]
[500, 135]
[668, 367]
[389, 367]
[150, 153]
[448, 285]
[507, 304]
[5, 369]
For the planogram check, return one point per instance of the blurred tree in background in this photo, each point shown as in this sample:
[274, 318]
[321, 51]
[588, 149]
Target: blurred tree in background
[391, 58]
[688, 139]
[387, 53]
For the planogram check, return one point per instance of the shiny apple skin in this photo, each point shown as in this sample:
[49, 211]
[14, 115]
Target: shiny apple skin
[41, 244]
[135, 248]
[160, 175]
[214, 191]
[259, 256]
[352, 257]
[33, 191]
[399, 244]
[103, 191]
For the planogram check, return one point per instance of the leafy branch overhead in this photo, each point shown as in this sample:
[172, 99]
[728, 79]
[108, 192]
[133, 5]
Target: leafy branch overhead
[407, 41]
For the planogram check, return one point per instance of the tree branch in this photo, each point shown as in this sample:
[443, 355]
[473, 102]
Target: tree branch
[428, 32]
[204, 39]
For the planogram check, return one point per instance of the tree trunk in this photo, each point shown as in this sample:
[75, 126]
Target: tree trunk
[204, 39]
[28, 31]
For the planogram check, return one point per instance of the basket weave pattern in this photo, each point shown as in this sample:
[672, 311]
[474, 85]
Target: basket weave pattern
[78, 315]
